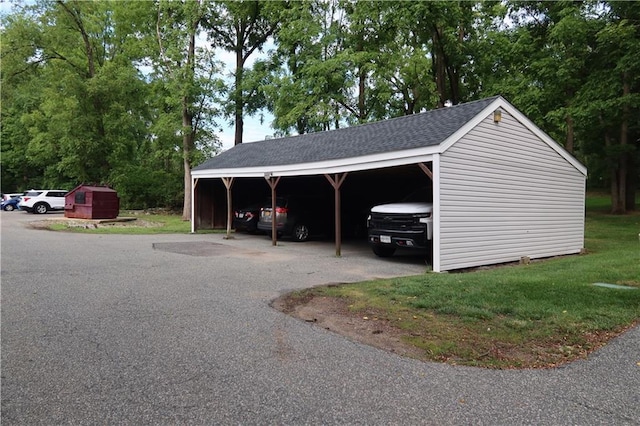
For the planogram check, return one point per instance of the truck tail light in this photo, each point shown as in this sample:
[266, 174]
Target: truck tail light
[281, 210]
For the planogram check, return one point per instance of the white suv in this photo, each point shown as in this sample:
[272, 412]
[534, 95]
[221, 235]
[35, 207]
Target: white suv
[42, 200]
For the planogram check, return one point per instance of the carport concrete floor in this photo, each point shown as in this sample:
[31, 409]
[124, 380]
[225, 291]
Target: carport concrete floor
[177, 329]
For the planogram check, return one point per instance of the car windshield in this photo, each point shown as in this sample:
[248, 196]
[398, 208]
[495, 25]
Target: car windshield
[33, 193]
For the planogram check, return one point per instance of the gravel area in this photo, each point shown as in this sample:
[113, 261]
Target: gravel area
[177, 329]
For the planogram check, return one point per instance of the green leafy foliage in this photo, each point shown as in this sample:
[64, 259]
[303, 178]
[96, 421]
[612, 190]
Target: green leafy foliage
[143, 188]
[85, 103]
[93, 88]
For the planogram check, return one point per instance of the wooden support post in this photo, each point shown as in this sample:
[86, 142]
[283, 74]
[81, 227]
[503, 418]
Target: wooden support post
[426, 170]
[194, 225]
[273, 182]
[228, 182]
[336, 182]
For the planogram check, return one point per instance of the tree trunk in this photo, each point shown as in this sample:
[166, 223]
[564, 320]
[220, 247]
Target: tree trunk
[186, 206]
[439, 68]
[238, 102]
[453, 70]
[187, 145]
[632, 187]
[362, 113]
[615, 198]
[621, 169]
[188, 132]
[570, 134]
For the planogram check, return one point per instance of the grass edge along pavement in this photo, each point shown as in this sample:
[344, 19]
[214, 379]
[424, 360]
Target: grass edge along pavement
[141, 224]
[543, 314]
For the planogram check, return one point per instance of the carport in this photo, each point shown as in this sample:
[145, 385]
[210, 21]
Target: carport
[502, 188]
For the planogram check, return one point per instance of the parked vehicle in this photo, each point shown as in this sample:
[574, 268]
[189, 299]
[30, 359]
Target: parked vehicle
[246, 219]
[296, 216]
[7, 197]
[43, 200]
[406, 224]
[11, 203]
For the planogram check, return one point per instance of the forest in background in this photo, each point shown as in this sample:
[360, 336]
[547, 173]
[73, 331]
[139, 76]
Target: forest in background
[132, 93]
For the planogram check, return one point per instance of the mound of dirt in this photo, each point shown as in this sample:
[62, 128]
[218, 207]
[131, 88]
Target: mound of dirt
[334, 314]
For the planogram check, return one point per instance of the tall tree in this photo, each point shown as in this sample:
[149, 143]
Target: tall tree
[445, 28]
[85, 99]
[185, 74]
[20, 80]
[610, 99]
[242, 27]
[308, 77]
[572, 68]
[402, 67]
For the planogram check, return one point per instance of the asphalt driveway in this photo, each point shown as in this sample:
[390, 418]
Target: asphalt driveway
[177, 329]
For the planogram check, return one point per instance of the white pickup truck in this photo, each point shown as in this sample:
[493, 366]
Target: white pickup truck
[406, 224]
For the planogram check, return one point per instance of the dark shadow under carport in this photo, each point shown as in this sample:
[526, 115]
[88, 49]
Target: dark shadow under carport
[358, 192]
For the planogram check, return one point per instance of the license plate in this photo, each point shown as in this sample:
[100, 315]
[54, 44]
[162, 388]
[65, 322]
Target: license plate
[385, 239]
[240, 215]
[267, 214]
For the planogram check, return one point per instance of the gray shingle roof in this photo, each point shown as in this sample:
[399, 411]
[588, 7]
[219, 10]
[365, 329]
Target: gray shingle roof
[412, 131]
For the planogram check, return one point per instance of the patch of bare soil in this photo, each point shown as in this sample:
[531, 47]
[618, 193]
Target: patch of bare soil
[334, 314]
[92, 224]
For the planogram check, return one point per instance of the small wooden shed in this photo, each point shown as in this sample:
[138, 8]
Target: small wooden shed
[92, 202]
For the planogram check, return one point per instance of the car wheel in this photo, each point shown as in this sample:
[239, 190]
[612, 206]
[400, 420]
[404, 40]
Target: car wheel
[41, 208]
[9, 208]
[300, 232]
[384, 251]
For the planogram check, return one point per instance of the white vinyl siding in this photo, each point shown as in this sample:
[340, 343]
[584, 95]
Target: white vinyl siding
[504, 194]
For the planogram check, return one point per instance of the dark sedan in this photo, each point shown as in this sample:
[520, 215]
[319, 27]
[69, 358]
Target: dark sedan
[246, 219]
[299, 217]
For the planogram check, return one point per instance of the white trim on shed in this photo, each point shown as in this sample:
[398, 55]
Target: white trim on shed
[367, 162]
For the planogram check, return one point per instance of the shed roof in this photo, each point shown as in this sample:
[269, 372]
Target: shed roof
[406, 132]
[91, 188]
[395, 141]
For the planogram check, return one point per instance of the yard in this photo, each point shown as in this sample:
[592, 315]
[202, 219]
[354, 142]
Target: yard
[542, 314]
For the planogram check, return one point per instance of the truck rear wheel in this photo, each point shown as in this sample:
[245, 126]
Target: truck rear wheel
[384, 251]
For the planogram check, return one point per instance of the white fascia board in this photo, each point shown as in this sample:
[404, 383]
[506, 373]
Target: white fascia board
[470, 125]
[367, 162]
[436, 213]
[500, 102]
[193, 204]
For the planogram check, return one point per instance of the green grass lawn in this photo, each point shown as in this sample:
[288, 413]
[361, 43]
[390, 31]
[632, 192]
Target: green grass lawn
[541, 314]
[143, 224]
